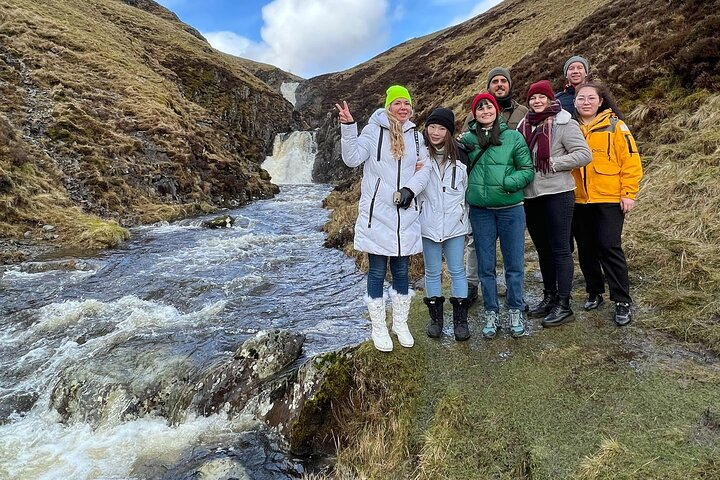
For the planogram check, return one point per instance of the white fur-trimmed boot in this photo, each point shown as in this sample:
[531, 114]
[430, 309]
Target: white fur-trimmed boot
[380, 336]
[400, 311]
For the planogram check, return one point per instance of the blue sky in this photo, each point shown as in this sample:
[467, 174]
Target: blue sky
[311, 37]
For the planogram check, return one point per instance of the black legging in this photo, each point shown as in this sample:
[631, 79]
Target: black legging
[549, 222]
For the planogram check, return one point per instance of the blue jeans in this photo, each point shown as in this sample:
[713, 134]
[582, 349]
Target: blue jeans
[507, 224]
[454, 249]
[377, 268]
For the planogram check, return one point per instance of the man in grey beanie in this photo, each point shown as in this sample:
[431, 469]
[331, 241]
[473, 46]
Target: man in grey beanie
[499, 85]
[575, 71]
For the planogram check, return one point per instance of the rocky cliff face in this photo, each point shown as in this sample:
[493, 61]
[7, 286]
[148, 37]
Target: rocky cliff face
[116, 110]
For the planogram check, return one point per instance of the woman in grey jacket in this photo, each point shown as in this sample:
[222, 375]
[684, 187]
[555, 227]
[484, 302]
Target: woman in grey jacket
[387, 226]
[557, 146]
[445, 223]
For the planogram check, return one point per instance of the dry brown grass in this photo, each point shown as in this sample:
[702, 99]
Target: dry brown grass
[673, 236]
[600, 465]
[128, 113]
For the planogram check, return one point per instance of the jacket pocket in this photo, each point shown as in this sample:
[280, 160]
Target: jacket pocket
[372, 203]
[606, 168]
[606, 180]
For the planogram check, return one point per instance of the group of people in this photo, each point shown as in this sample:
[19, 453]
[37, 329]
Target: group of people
[566, 167]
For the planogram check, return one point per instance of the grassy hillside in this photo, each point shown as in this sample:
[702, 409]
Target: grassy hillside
[664, 71]
[587, 401]
[118, 111]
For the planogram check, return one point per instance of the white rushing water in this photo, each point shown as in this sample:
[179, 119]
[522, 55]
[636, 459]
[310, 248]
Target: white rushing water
[78, 347]
[293, 158]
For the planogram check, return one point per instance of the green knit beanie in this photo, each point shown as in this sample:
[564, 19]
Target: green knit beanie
[395, 92]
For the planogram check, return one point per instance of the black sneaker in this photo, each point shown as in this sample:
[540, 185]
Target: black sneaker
[472, 293]
[623, 314]
[593, 302]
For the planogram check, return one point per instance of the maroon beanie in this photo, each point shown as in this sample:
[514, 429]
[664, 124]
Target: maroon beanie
[484, 96]
[543, 87]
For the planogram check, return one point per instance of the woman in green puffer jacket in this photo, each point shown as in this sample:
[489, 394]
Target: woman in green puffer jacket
[500, 167]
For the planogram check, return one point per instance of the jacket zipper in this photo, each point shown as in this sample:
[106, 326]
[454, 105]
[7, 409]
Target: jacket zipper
[372, 202]
[399, 163]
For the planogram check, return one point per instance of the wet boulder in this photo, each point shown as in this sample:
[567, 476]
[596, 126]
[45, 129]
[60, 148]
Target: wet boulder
[223, 221]
[299, 408]
[163, 381]
[239, 381]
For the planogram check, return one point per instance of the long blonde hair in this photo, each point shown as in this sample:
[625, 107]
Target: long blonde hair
[397, 142]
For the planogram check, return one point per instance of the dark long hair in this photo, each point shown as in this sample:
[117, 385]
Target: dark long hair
[606, 98]
[450, 147]
[494, 130]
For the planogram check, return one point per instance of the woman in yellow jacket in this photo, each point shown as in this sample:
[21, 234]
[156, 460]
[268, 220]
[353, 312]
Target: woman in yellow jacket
[605, 192]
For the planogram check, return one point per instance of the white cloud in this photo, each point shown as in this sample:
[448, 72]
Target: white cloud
[309, 37]
[479, 8]
[234, 44]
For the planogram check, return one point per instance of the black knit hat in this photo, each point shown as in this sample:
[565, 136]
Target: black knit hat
[443, 117]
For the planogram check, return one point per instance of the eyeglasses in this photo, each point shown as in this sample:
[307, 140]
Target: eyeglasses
[590, 99]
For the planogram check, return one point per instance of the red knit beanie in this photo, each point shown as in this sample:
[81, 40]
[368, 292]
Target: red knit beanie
[543, 87]
[484, 96]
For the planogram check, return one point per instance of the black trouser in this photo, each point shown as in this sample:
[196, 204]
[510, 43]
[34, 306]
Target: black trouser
[549, 221]
[597, 228]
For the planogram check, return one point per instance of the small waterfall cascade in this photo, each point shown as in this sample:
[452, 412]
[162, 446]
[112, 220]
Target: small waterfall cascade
[287, 89]
[293, 157]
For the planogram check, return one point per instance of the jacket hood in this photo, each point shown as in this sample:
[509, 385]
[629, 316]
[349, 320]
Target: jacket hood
[563, 117]
[379, 117]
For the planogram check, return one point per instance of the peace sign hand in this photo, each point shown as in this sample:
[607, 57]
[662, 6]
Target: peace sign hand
[344, 113]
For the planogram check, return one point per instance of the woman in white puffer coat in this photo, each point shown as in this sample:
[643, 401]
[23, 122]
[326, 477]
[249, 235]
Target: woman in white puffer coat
[387, 226]
[444, 221]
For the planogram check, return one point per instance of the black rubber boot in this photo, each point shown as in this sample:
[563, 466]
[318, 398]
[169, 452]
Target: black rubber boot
[560, 314]
[460, 322]
[435, 307]
[543, 308]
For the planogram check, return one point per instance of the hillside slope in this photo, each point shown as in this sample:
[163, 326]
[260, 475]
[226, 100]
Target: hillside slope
[664, 71]
[588, 400]
[116, 110]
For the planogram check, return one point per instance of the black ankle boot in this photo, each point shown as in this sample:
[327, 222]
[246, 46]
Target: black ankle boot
[460, 311]
[543, 308]
[560, 314]
[435, 307]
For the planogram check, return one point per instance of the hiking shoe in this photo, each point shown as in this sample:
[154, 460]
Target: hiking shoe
[623, 314]
[517, 327]
[594, 300]
[491, 324]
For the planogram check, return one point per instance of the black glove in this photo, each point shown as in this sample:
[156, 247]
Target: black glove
[406, 196]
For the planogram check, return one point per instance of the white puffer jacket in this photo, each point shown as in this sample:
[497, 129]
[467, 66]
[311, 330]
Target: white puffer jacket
[381, 227]
[443, 210]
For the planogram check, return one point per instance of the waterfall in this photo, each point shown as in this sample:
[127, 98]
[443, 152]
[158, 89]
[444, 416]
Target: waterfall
[292, 159]
[287, 89]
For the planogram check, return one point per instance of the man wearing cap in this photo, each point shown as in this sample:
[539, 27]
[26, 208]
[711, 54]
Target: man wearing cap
[575, 71]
